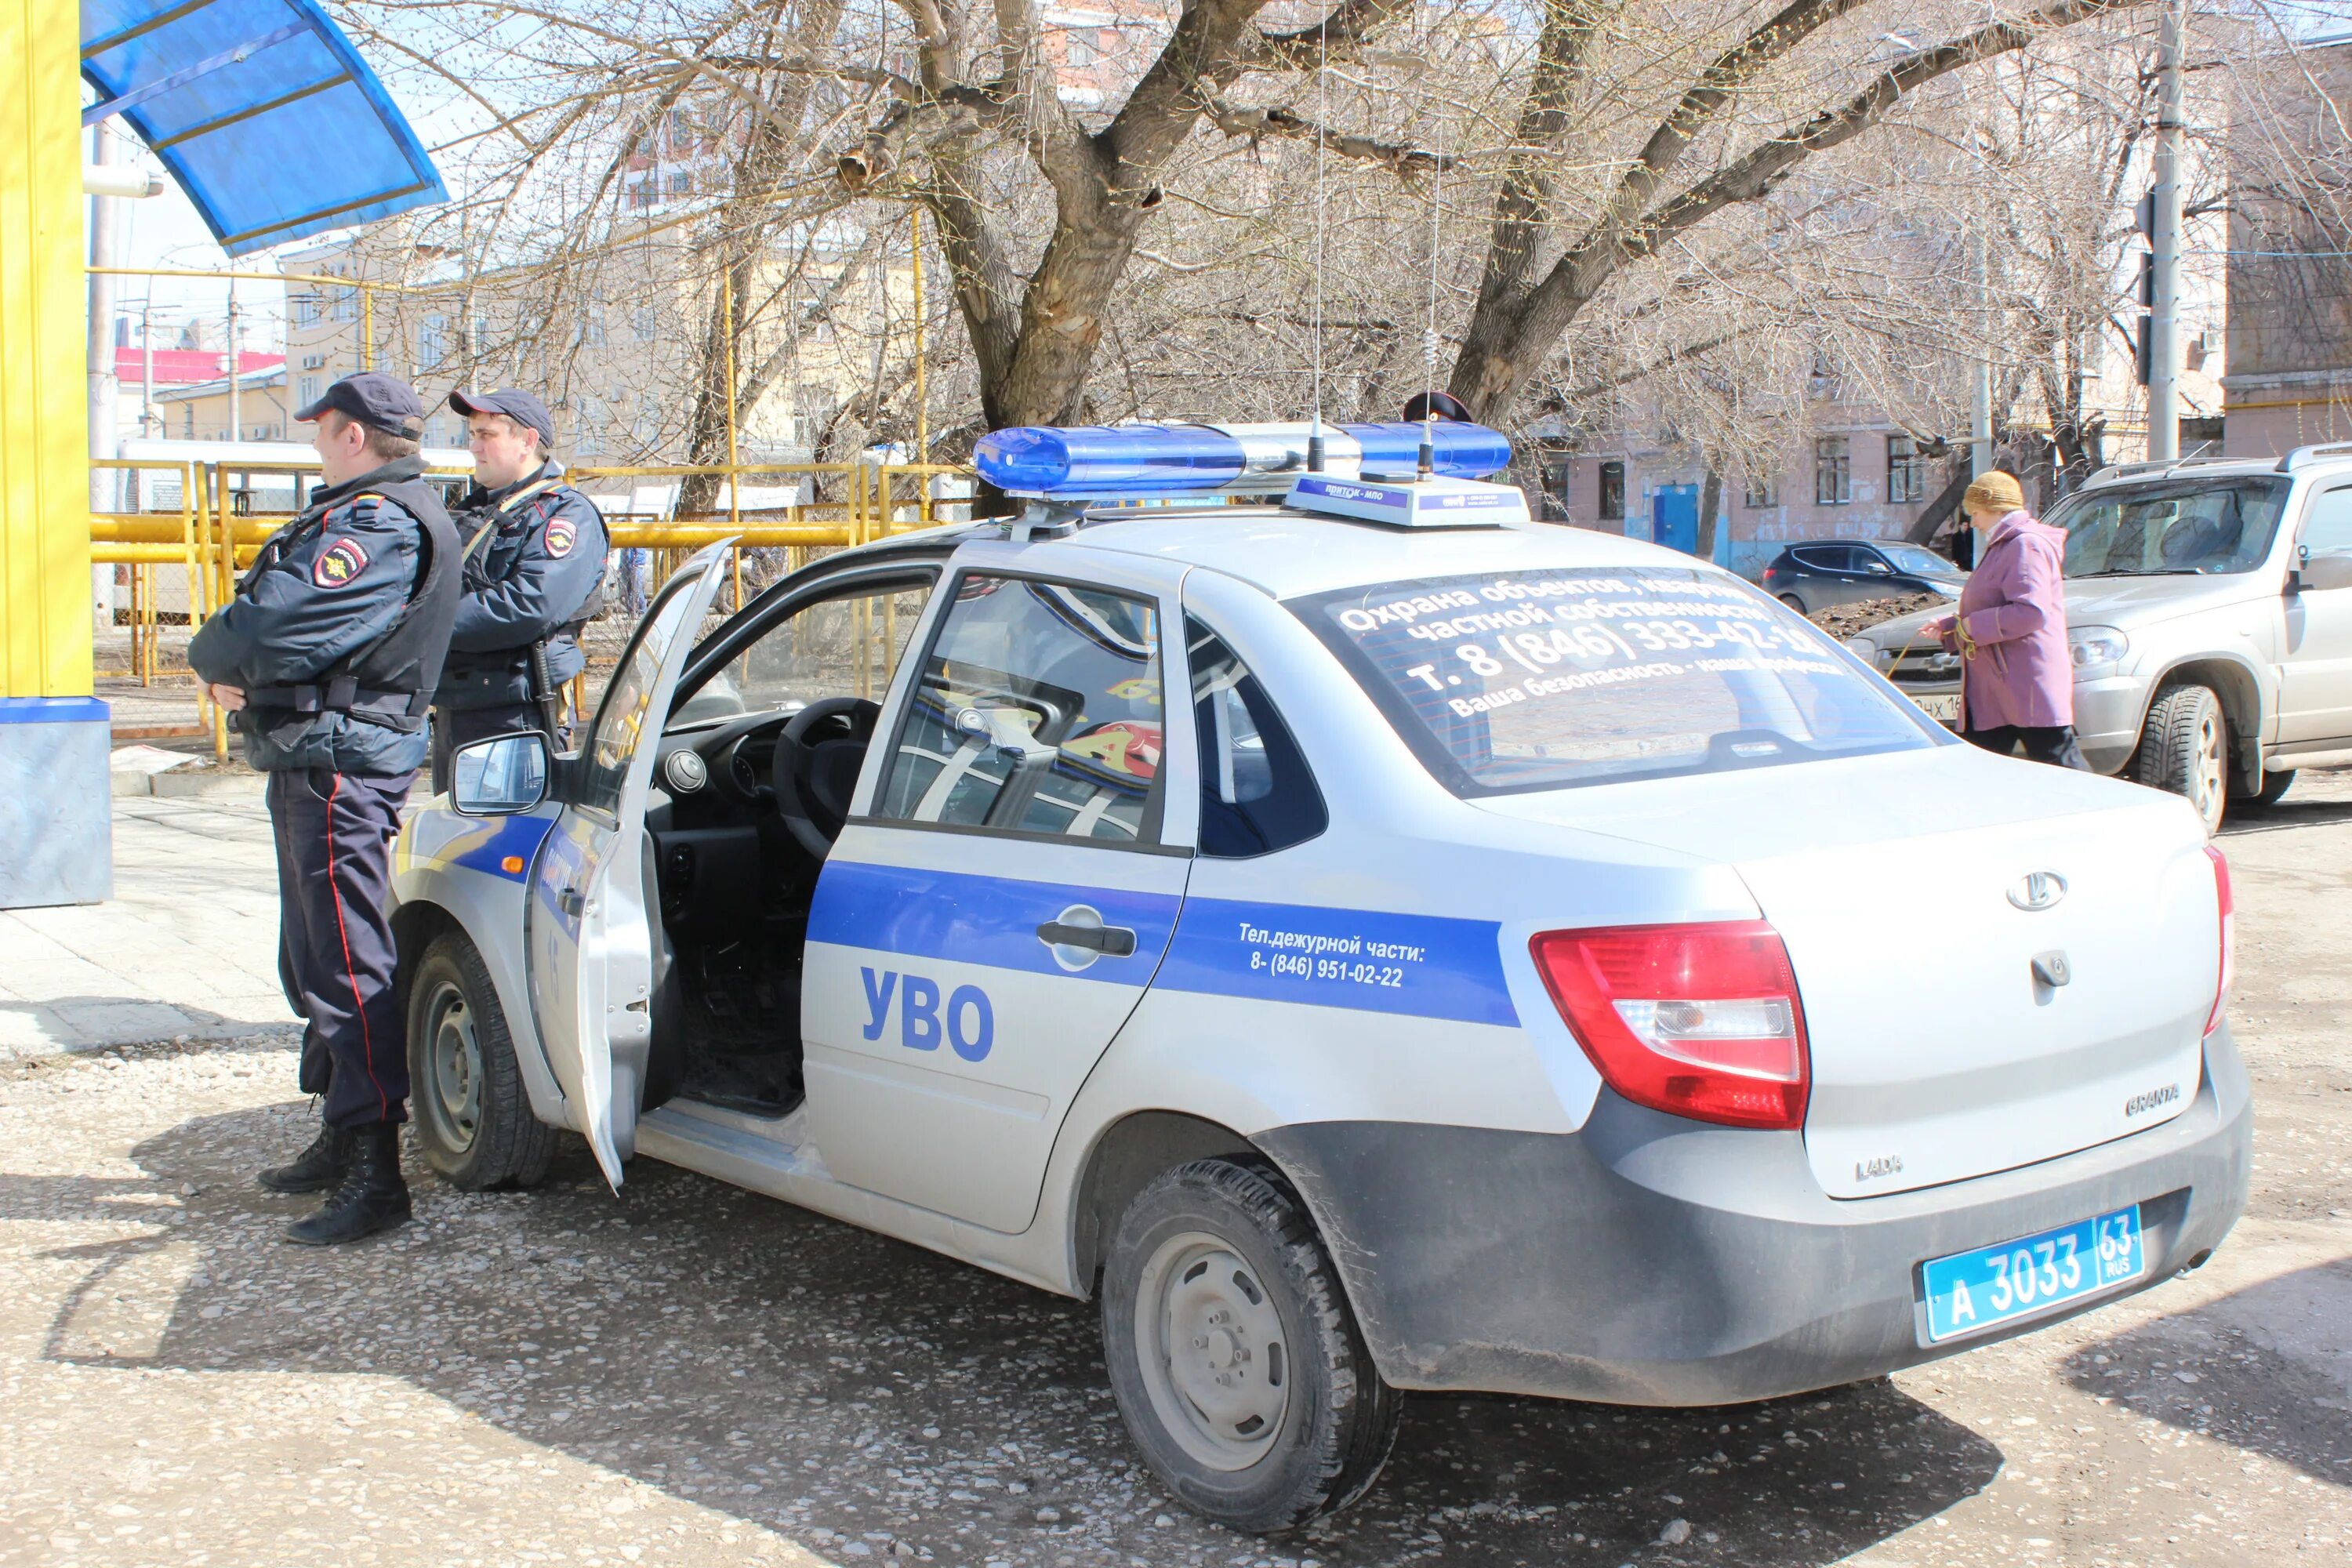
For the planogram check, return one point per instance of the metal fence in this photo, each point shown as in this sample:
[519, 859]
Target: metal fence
[186, 530]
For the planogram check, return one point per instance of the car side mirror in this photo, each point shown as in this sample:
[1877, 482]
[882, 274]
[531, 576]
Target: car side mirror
[499, 776]
[2322, 573]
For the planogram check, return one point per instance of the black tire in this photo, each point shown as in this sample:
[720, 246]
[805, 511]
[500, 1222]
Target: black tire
[1794, 603]
[474, 1122]
[1213, 1232]
[2184, 747]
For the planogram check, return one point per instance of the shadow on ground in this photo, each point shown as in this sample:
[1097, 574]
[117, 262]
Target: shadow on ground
[2266, 1368]
[854, 1392]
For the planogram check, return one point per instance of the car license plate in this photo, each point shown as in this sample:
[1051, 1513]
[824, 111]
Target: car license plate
[1972, 1291]
[1944, 707]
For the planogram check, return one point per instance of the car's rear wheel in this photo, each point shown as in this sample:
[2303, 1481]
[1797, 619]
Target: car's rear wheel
[2185, 748]
[1793, 603]
[1233, 1354]
[474, 1122]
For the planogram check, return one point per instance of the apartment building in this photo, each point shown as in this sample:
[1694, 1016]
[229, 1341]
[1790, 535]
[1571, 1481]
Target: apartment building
[2290, 262]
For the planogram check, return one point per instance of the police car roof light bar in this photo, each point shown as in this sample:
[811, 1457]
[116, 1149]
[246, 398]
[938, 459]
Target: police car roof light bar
[1126, 462]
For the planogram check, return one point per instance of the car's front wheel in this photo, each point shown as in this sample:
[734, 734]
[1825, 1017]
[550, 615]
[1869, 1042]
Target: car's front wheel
[2185, 748]
[474, 1121]
[1233, 1354]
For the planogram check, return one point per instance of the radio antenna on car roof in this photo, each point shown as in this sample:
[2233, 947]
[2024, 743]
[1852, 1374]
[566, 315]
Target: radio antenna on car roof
[1322, 121]
[1426, 463]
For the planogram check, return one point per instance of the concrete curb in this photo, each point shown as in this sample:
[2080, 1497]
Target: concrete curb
[208, 785]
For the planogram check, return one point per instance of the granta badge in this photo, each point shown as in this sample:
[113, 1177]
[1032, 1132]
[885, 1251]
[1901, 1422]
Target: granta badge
[2037, 889]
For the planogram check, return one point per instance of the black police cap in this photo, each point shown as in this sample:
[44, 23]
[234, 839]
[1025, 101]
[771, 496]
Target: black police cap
[516, 405]
[1444, 405]
[376, 399]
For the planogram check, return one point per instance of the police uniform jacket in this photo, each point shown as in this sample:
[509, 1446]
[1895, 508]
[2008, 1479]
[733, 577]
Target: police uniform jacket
[533, 577]
[337, 634]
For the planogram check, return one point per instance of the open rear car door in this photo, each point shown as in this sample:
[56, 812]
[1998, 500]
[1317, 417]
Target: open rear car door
[587, 930]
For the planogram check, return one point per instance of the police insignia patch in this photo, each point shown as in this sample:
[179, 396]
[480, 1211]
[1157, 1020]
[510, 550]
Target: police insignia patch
[560, 533]
[338, 564]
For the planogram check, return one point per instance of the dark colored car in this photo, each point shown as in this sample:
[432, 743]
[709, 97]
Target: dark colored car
[1809, 577]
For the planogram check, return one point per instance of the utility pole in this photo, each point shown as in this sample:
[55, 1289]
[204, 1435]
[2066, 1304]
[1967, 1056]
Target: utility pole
[236, 424]
[2163, 245]
[147, 362]
[103, 391]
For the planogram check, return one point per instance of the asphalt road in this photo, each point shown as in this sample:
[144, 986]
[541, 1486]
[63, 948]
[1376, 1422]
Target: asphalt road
[686, 1374]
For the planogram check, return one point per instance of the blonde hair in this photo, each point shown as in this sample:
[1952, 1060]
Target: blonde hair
[1994, 492]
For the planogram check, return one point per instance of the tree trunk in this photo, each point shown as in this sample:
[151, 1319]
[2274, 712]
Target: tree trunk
[1710, 509]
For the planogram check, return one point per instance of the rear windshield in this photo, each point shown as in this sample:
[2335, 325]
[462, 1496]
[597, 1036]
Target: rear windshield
[1541, 679]
[2178, 527]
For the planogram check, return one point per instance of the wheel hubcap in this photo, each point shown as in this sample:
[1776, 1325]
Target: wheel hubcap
[457, 1057]
[1216, 1361]
[2209, 779]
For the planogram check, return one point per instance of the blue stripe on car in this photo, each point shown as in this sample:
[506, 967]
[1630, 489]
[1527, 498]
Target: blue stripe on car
[992, 920]
[1429, 966]
[486, 846]
[1426, 966]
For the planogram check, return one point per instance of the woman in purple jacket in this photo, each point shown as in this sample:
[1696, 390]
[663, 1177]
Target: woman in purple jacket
[2017, 675]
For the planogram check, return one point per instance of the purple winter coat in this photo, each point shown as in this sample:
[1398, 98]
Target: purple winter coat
[2014, 609]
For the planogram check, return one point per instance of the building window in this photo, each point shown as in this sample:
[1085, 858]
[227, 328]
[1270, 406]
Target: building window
[309, 390]
[305, 310]
[347, 305]
[1613, 492]
[641, 193]
[681, 182]
[432, 341]
[645, 322]
[1760, 490]
[1906, 470]
[1079, 49]
[1832, 472]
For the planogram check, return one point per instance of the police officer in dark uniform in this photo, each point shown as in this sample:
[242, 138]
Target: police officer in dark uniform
[326, 660]
[534, 575]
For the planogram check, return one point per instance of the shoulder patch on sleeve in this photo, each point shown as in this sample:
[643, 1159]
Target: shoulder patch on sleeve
[561, 534]
[340, 564]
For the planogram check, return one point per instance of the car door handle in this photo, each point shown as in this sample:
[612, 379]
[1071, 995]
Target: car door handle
[1111, 941]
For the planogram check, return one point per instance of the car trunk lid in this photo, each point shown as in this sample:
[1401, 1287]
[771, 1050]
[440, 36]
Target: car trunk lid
[1936, 1052]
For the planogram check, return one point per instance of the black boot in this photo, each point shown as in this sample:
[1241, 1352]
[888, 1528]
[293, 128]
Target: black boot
[371, 1197]
[316, 1169]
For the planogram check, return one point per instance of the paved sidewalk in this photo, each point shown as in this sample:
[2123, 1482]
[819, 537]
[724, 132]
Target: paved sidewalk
[187, 947]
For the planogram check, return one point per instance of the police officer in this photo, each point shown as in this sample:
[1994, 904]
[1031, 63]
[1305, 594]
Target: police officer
[326, 660]
[534, 574]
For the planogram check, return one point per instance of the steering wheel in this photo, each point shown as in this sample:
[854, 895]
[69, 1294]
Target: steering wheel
[815, 768]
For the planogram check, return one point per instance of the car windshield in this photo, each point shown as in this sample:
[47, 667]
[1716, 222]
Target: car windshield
[2174, 527]
[1544, 680]
[1919, 563]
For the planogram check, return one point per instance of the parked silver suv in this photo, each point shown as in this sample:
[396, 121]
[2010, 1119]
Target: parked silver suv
[2209, 603]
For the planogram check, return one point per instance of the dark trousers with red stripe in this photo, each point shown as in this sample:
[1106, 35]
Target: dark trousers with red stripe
[335, 952]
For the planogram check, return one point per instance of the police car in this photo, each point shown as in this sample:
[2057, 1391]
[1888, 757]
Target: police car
[1367, 940]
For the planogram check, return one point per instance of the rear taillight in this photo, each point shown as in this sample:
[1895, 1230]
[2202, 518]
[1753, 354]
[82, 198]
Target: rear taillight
[1699, 1020]
[2228, 973]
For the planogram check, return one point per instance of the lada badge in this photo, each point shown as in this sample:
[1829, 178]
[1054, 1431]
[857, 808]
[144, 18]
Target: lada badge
[2037, 889]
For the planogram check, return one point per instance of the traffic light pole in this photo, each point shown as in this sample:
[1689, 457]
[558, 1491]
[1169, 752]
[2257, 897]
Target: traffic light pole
[2163, 245]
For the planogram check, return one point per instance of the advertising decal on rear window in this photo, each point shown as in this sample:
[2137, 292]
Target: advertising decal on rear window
[1538, 679]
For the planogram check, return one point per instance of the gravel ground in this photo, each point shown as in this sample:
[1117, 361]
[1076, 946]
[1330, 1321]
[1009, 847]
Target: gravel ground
[686, 1374]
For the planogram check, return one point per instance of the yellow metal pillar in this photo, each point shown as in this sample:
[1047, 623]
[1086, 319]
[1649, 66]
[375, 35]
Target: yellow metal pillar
[45, 639]
[54, 830]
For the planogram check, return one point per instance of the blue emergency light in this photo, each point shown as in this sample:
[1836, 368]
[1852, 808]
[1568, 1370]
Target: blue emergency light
[1134, 462]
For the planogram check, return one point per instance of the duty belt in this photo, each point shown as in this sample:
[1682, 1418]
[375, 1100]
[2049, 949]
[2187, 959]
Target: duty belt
[343, 694]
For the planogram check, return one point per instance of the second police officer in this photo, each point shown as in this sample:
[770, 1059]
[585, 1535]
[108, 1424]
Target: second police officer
[534, 575]
[328, 656]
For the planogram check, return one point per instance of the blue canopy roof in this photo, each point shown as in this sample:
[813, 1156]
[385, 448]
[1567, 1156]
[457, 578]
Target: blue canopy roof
[261, 110]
